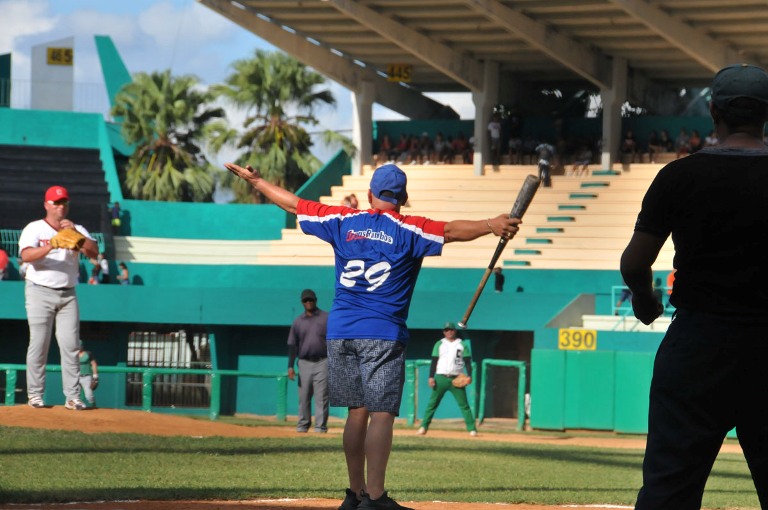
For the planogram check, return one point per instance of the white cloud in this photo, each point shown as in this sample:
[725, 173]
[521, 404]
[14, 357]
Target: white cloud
[461, 102]
[21, 19]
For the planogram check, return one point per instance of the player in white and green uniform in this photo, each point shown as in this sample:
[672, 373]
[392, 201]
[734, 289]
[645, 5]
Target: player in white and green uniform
[450, 356]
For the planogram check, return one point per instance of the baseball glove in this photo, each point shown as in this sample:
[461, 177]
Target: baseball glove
[94, 383]
[68, 239]
[461, 380]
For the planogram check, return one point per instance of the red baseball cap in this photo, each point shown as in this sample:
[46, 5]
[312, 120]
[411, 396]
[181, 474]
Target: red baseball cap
[55, 193]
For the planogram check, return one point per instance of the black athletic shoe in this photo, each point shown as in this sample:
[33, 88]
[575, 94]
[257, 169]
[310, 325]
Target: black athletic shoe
[350, 501]
[384, 503]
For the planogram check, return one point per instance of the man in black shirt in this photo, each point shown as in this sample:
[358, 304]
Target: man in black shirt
[306, 341]
[708, 374]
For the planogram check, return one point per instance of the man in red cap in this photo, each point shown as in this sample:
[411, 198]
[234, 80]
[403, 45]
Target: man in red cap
[50, 298]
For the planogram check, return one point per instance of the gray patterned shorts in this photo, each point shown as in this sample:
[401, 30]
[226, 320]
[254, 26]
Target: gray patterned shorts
[366, 373]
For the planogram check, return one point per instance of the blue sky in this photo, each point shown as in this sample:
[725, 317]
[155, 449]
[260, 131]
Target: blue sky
[156, 35]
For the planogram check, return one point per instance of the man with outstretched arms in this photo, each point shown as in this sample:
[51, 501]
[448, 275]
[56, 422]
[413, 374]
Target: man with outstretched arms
[378, 255]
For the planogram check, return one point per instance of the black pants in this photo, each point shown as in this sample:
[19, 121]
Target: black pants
[709, 376]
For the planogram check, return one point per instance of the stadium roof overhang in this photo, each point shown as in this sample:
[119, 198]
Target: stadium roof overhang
[443, 44]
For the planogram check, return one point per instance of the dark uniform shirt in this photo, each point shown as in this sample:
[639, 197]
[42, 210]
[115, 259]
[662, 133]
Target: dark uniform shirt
[714, 204]
[307, 337]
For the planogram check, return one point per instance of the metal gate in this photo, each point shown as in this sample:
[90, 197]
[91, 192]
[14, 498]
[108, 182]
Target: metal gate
[170, 350]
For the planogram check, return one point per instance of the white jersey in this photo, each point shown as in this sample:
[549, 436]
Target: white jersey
[450, 356]
[60, 269]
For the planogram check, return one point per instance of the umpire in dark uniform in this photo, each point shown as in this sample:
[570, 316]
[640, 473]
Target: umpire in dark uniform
[306, 341]
[709, 372]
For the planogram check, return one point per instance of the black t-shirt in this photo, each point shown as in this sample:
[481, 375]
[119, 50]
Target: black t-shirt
[715, 205]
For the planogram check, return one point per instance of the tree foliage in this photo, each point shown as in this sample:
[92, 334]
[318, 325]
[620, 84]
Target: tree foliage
[278, 95]
[165, 118]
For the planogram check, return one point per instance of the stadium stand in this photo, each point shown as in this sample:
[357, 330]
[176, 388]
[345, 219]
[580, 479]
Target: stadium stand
[579, 223]
[27, 171]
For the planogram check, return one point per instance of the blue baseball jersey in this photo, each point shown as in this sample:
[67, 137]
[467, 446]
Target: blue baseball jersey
[378, 258]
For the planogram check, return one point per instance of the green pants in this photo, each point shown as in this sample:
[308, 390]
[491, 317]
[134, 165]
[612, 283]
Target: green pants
[443, 384]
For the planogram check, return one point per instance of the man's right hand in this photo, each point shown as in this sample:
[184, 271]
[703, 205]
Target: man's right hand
[291, 374]
[647, 308]
[431, 382]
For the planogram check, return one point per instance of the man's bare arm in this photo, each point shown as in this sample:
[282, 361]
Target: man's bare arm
[279, 196]
[468, 230]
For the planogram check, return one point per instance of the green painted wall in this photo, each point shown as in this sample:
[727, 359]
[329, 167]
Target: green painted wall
[606, 389]
[186, 220]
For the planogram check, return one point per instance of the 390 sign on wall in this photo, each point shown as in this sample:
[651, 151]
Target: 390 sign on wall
[577, 339]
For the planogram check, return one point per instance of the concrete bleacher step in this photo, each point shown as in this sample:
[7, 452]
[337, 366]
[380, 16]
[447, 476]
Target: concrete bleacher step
[566, 227]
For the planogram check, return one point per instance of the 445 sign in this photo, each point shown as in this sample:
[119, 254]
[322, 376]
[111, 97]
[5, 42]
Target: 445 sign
[577, 339]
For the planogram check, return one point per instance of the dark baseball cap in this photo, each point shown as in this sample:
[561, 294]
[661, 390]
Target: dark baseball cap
[308, 294]
[449, 325]
[389, 178]
[739, 80]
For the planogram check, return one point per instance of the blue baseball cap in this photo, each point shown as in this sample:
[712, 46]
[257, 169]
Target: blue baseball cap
[389, 178]
[739, 80]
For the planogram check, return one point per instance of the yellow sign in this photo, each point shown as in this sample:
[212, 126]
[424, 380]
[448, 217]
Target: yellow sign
[61, 56]
[577, 340]
[399, 72]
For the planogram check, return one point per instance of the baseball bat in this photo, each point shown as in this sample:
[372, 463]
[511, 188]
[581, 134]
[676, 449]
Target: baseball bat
[524, 198]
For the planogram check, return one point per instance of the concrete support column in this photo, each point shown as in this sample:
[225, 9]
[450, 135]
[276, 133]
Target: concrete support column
[484, 102]
[612, 100]
[362, 125]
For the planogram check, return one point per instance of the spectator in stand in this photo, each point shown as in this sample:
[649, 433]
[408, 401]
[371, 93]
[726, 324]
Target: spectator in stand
[123, 277]
[439, 149]
[114, 213]
[104, 268]
[460, 147]
[529, 149]
[494, 139]
[498, 281]
[386, 150]
[583, 159]
[695, 141]
[628, 147]
[425, 149]
[3, 264]
[95, 270]
[654, 146]
[353, 202]
[667, 145]
[683, 143]
[711, 139]
[402, 148]
[626, 295]
[670, 284]
[414, 149]
[515, 150]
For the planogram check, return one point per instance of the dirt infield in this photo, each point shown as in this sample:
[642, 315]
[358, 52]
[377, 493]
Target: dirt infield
[118, 421]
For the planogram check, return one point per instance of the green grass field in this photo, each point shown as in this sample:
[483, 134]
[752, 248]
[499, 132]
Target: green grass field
[57, 466]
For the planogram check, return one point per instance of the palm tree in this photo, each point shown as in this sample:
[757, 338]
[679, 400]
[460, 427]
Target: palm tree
[164, 118]
[278, 95]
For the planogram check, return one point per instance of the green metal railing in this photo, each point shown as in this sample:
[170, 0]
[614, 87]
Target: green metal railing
[148, 375]
[520, 365]
[9, 241]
